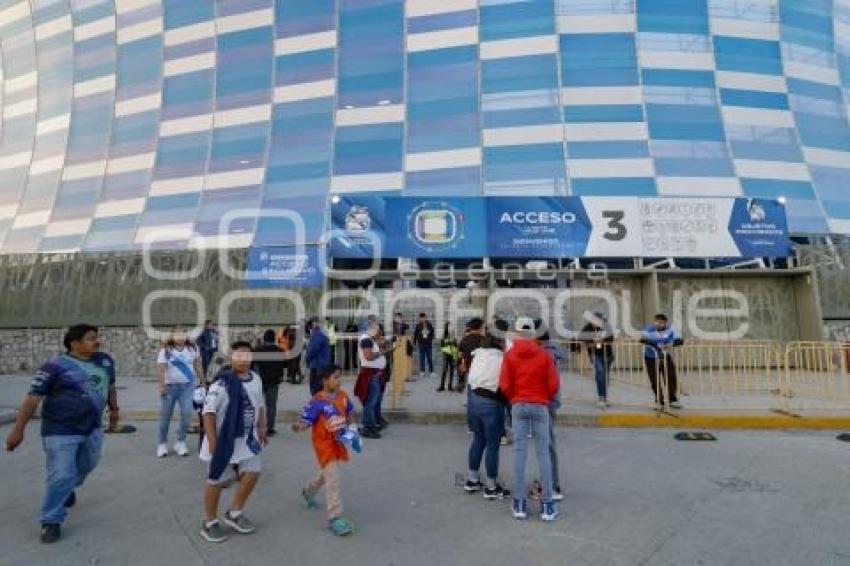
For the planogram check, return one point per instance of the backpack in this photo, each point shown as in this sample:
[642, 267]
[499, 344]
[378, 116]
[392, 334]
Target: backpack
[485, 369]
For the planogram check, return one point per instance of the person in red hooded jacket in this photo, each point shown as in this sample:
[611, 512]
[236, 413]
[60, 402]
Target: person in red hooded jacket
[530, 382]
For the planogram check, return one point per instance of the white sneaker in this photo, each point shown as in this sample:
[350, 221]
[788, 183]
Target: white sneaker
[602, 405]
[181, 449]
[675, 405]
[162, 451]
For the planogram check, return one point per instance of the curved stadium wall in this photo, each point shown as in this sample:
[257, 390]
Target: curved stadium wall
[127, 118]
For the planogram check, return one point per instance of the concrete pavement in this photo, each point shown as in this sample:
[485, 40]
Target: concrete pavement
[633, 497]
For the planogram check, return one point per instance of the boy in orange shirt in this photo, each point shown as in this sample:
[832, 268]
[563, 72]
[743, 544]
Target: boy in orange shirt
[329, 414]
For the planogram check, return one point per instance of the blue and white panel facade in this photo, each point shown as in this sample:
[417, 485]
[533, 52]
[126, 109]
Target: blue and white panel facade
[176, 123]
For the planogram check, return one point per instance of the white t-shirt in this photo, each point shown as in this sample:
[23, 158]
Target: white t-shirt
[172, 357]
[216, 402]
[378, 363]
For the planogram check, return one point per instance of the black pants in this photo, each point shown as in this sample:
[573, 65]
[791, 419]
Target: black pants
[270, 395]
[294, 374]
[315, 381]
[660, 369]
[448, 367]
[350, 354]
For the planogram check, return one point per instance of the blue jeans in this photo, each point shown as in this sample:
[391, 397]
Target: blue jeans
[553, 446]
[601, 366]
[426, 355]
[531, 419]
[69, 460]
[372, 406]
[176, 393]
[486, 419]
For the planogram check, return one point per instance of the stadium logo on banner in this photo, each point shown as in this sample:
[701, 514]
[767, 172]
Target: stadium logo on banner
[435, 226]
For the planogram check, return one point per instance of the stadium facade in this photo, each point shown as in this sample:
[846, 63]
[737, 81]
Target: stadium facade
[126, 120]
[124, 116]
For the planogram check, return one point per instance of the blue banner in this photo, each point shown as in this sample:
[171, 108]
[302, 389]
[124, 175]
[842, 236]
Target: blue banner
[760, 228]
[537, 227]
[284, 267]
[436, 228]
[558, 227]
[358, 227]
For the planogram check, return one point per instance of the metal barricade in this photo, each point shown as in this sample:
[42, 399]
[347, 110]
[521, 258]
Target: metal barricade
[817, 376]
[703, 374]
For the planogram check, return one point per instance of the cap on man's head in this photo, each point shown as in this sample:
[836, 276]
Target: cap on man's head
[524, 324]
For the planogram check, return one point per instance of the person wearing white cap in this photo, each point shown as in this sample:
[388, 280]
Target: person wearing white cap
[530, 382]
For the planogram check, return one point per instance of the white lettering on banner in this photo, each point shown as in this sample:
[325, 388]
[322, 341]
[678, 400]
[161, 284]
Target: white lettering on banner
[545, 217]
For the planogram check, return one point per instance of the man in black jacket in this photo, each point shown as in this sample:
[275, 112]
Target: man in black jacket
[423, 337]
[471, 341]
[270, 363]
[599, 337]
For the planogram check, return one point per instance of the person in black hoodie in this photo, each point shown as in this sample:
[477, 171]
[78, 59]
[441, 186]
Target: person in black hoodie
[599, 338]
[471, 341]
[423, 337]
[269, 362]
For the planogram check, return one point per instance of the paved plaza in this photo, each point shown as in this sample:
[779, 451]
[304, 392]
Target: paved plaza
[633, 497]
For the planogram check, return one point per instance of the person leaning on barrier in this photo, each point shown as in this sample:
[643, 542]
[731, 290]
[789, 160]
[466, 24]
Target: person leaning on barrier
[660, 338]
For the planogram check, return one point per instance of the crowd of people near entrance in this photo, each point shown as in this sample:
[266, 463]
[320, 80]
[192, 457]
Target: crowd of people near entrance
[511, 377]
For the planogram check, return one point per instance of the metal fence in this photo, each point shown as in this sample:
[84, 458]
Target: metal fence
[747, 375]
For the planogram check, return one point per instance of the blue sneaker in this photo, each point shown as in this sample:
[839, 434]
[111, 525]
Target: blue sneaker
[549, 512]
[519, 508]
[341, 526]
[309, 500]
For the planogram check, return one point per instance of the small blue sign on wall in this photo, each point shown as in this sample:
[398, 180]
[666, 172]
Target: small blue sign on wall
[284, 267]
[760, 228]
[358, 227]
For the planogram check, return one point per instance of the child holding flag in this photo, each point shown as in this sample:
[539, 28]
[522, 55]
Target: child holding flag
[329, 415]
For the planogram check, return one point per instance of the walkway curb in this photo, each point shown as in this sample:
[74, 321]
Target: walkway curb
[723, 420]
[606, 420]
[7, 417]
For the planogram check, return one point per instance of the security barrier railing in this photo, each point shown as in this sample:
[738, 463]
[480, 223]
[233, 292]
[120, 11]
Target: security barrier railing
[817, 376]
[702, 374]
[709, 375]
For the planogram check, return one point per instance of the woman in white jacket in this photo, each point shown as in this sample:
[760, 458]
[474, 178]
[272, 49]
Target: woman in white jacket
[486, 418]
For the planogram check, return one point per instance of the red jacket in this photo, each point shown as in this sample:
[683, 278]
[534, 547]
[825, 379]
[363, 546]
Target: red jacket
[528, 374]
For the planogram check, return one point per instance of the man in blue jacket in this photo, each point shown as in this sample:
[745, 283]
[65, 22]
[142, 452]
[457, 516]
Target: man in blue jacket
[208, 343]
[74, 387]
[318, 354]
[660, 339]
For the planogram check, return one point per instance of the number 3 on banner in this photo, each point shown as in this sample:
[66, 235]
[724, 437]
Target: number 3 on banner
[617, 231]
[616, 226]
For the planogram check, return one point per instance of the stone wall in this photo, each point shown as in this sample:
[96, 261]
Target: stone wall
[22, 351]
